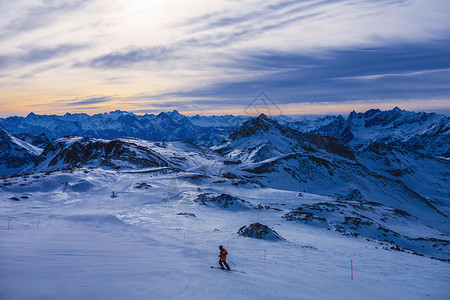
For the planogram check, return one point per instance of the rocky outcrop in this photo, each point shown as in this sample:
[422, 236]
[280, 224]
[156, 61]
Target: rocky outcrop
[260, 231]
[223, 200]
[15, 154]
[71, 152]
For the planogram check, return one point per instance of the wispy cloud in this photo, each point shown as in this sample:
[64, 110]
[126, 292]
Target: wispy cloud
[126, 58]
[83, 102]
[37, 16]
[41, 54]
[31, 55]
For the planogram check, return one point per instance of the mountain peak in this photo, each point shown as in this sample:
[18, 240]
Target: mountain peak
[119, 112]
[262, 116]
[396, 109]
[256, 125]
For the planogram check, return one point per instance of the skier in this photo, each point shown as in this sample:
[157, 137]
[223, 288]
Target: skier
[223, 258]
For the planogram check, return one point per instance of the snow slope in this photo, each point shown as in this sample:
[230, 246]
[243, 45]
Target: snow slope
[423, 173]
[128, 218]
[15, 154]
[67, 242]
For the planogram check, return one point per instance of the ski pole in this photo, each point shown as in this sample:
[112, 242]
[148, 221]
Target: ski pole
[231, 262]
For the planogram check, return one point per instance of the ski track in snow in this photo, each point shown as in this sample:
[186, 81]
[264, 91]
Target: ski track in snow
[92, 245]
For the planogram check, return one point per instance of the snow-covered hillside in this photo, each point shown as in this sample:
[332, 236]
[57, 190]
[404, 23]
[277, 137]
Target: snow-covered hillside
[423, 173]
[425, 132]
[262, 138]
[15, 154]
[65, 235]
[125, 217]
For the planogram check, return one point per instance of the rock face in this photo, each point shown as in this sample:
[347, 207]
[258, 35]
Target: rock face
[40, 140]
[224, 201]
[262, 138]
[15, 154]
[260, 231]
[71, 152]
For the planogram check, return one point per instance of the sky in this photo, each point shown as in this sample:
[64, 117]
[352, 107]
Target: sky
[217, 57]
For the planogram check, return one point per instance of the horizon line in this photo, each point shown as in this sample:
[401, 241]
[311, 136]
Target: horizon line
[442, 111]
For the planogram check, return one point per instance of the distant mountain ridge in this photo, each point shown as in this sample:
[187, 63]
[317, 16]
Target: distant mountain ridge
[425, 132]
[166, 126]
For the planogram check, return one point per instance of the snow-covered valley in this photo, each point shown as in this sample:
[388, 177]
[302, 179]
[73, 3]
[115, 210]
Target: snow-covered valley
[141, 244]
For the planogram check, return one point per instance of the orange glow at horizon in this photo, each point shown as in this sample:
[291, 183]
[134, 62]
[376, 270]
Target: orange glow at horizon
[22, 106]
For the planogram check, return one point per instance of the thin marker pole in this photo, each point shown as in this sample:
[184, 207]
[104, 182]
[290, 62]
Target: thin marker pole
[38, 222]
[351, 266]
[8, 224]
[265, 253]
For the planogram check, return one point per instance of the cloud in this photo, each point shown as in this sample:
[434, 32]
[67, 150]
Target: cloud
[83, 102]
[37, 16]
[393, 71]
[121, 59]
[34, 55]
[200, 53]
[42, 54]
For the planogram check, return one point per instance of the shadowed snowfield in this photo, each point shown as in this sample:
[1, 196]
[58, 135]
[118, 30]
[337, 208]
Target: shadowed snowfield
[90, 245]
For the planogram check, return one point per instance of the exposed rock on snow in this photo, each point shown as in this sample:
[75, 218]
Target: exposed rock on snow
[373, 221]
[70, 152]
[224, 201]
[260, 231]
[15, 154]
[300, 215]
[142, 185]
[186, 214]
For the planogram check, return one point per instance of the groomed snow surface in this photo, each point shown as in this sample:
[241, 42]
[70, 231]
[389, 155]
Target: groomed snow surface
[78, 241]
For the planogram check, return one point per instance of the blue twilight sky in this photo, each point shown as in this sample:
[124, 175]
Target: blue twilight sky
[215, 57]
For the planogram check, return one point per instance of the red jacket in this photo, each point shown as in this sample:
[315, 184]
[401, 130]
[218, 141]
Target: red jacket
[223, 254]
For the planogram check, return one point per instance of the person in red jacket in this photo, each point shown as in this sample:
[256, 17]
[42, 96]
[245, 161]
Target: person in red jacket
[223, 258]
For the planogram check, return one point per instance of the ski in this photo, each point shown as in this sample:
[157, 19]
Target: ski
[227, 270]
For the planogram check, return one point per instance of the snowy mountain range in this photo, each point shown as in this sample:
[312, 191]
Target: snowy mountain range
[424, 132]
[379, 175]
[138, 200]
[170, 126]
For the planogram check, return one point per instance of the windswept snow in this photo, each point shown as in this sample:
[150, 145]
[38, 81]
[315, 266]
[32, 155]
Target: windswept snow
[74, 242]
